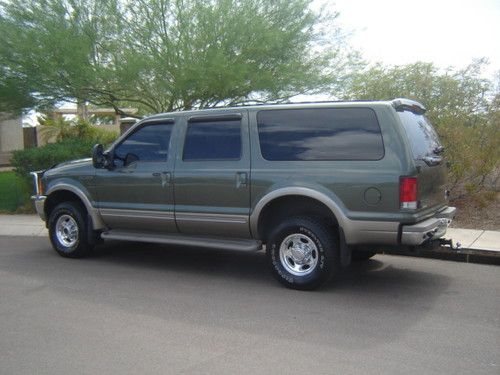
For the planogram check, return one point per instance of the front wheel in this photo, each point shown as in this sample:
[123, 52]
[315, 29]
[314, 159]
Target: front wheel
[68, 230]
[303, 253]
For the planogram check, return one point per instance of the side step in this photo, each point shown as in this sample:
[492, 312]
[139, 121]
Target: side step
[184, 240]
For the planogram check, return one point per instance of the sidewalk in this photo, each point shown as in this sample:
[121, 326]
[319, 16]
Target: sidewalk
[22, 225]
[473, 241]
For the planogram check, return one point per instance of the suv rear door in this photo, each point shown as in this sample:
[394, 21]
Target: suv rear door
[212, 175]
[427, 153]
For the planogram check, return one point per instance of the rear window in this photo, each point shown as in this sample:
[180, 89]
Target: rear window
[423, 138]
[320, 134]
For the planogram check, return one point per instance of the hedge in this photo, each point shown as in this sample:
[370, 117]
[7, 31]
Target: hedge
[33, 159]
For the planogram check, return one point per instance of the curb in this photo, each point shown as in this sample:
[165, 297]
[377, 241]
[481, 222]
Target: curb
[463, 255]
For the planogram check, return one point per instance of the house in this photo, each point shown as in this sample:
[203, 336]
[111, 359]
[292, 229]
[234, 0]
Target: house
[11, 136]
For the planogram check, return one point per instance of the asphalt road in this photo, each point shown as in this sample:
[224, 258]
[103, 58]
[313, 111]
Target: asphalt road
[141, 309]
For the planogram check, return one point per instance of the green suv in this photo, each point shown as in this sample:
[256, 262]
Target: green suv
[317, 184]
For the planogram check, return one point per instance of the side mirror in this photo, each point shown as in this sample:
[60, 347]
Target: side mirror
[98, 158]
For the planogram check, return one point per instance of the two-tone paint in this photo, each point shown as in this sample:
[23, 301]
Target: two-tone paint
[226, 198]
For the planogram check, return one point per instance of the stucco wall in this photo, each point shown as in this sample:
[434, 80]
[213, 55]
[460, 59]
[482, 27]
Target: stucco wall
[11, 133]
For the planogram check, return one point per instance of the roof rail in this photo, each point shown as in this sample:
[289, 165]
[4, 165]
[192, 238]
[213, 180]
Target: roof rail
[402, 104]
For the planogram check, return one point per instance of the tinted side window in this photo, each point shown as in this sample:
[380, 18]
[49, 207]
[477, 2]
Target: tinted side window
[320, 134]
[149, 143]
[423, 138]
[213, 140]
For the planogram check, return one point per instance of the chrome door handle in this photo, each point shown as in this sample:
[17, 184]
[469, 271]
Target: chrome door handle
[166, 177]
[241, 179]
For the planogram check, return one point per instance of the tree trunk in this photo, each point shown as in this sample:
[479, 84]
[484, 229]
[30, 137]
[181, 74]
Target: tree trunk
[81, 110]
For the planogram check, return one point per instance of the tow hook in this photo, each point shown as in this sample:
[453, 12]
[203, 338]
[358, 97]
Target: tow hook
[446, 242]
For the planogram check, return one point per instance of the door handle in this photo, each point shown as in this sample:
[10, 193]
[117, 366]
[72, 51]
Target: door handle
[166, 177]
[241, 179]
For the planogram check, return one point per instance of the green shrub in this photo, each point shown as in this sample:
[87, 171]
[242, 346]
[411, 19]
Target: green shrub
[60, 130]
[33, 159]
[14, 192]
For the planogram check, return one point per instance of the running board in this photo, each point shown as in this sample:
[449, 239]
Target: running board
[184, 240]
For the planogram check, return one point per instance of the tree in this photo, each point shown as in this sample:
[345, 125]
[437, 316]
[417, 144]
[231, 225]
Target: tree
[14, 94]
[59, 50]
[461, 105]
[164, 55]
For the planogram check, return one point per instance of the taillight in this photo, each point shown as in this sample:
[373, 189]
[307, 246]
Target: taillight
[408, 192]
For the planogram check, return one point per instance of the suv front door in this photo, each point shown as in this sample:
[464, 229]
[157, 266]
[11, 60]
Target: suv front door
[212, 175]
[137, 193]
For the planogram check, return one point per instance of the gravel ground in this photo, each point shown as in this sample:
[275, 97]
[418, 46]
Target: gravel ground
[472, 215]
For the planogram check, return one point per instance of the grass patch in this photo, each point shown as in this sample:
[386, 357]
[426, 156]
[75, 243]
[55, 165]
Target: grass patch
[14, 192]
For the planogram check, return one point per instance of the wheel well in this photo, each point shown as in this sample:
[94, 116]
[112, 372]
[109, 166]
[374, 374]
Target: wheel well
[60, 196]
[292, 205]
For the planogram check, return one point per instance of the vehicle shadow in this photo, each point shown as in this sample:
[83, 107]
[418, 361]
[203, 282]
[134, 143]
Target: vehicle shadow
[250, 266]
[371, 276]
[367, 303]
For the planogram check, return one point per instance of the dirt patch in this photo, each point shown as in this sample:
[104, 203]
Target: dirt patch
[477, 214]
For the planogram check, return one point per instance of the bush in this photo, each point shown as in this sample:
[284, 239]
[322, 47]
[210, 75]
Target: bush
[14, 192]
[33, 159]
[75, 139]
[60, 130]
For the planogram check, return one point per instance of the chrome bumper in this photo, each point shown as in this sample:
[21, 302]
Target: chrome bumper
[430, 229]
[39, 202]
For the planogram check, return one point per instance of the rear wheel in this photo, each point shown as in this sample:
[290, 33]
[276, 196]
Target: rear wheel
[68, 230]
[303, 253]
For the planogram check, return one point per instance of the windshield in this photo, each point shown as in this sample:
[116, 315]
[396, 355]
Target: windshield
[423, 138]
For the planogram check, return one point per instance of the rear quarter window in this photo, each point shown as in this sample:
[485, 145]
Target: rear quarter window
[320, 134]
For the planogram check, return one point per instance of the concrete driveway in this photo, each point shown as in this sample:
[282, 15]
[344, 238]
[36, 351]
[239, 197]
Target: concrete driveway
[135, 308]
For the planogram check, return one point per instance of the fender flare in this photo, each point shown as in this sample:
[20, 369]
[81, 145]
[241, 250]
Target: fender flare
[97, 222]
[294, 190]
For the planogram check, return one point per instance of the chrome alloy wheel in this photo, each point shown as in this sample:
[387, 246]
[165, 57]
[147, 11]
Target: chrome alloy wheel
[67, 231]
[298, 254]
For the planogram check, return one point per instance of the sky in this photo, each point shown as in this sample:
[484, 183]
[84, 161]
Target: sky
[447, 33]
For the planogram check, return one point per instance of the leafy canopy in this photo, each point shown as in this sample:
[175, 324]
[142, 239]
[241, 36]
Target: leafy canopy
[166, 55]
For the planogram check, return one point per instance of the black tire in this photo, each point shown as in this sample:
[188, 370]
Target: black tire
[69, 213]
[362, 256]
[323, 243]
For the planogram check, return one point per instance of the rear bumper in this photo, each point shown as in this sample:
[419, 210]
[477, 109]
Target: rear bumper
[39, 202]
[427, 230]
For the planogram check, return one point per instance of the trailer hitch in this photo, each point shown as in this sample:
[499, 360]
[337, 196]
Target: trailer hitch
[449, 243]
